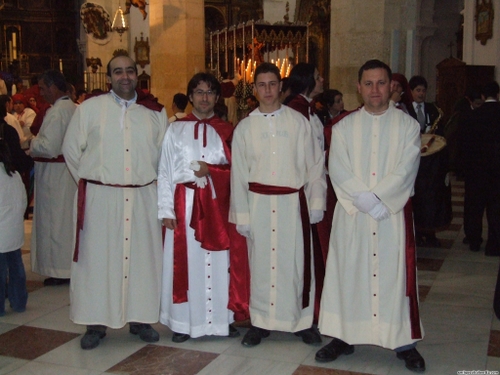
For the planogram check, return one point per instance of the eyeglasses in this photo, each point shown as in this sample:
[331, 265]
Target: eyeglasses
[203, 93]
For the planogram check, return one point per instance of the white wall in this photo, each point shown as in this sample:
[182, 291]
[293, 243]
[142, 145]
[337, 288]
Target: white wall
[474, 52]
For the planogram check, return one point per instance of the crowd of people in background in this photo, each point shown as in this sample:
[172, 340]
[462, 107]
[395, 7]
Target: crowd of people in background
[270, 196]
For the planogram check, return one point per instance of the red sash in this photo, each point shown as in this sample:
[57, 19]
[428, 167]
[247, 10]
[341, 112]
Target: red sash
[57, 159]
[80, 213]
[306, 228]
[411, 272]
[209, 230]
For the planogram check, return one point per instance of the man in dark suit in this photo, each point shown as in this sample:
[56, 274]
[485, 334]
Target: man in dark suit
[480, 151]
[425, 113]
[432, 199]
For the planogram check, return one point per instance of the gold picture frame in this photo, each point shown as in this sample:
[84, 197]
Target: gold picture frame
[484, 20]
[141, 50]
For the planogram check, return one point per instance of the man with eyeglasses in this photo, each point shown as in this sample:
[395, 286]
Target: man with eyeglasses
[277, 189]
[201, 292]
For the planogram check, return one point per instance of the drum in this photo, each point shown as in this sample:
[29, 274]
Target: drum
[432, 200]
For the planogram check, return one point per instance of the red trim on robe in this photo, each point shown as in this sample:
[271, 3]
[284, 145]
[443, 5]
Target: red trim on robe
[216, 234]
[411, 272]
[306, 231]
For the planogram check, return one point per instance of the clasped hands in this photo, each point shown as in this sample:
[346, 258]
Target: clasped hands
[368, 203]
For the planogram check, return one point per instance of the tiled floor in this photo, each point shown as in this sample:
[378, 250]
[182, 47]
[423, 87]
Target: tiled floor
[456, 290]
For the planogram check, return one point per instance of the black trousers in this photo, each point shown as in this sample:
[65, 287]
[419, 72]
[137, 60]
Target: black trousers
[482, 192]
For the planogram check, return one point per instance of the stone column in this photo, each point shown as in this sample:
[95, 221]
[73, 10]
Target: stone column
[177, 41]
[362, 30]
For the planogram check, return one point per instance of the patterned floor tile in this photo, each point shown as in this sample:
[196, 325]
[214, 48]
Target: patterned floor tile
[494, 344]
[156, 360]
[311, 370]
[30, 342]
[423, 291]
[427, 264]
[33, 285]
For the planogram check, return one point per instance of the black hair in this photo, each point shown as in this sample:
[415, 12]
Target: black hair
[490, 90]
[181, 101]
[374, 64]
[108, 67]
[417, 81]
[212, 83]
[267, 67]
[5, 155]
[301, 79]
[54, 77]
[329, 96]
[4, 99]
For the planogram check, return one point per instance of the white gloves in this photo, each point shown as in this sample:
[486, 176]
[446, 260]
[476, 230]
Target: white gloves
[315, 216]
[201, 182]
[244, 230]
[365, 201]
[379, 212]
[195, 166]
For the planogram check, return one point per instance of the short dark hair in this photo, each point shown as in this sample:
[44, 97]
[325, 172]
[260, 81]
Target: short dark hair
[301, 79]
[374, 64]
[56, 78]
[180, 101]
[417, 81]
[108, 67]
[329, 96]
[267, 67]
[490, 90]
[80, 92]
[212, 83]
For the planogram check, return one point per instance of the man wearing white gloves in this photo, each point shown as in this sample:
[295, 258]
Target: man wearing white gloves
[199, 295]
[278, 188]
[370, 292]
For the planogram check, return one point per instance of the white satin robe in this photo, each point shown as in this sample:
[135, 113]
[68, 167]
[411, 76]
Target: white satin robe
[206, 311]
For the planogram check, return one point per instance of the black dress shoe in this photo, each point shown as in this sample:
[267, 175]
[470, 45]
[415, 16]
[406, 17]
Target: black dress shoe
[91, 338]
[53, 281]
[474, 247]
[413, 360]
[233, 332]
[180, 337]
[331, 351]
[254, 336]
[310, 336]
[145, 331]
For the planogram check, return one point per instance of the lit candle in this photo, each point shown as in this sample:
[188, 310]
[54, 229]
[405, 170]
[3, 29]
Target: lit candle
[85, 81]
[14, 40]
[60, 65]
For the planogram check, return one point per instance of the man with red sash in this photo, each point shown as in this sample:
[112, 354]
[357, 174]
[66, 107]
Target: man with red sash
[205, 274]
[52, 234]
[277, 190]
[112, 148]
[370, 293]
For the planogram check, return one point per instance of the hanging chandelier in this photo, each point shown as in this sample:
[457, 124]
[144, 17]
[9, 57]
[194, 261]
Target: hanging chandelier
[119, 25]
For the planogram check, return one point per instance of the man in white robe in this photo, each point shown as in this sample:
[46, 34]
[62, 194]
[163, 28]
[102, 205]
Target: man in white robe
[52, 236]
[112, 148]
[370, 290]
[195, 163]
[277, 189]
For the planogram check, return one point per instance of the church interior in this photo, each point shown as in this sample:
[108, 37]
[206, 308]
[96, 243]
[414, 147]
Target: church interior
[455, 44]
